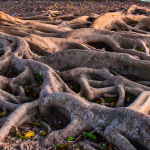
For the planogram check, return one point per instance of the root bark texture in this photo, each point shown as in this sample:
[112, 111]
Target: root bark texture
[105, 55]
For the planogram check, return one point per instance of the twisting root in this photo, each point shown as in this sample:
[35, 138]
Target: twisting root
[41, 53]
[89, 145]
[22, 114]
[92, 89]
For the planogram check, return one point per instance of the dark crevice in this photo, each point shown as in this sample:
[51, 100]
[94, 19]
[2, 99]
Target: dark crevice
[40, 53]
[57, 120]
[91, 19]
[129, 99]
[100, 45]
[133, 78]
[96, 77]
[73, 86]
[1, 53]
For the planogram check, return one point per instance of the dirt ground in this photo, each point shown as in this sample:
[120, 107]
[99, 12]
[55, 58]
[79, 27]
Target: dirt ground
[78, 7]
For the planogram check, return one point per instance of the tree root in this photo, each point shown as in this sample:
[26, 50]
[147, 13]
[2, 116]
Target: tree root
[93, 111]
[89, 145]
[38, 54]
[118, 84]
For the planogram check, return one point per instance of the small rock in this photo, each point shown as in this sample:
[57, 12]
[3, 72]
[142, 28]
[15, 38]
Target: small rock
[13, 15]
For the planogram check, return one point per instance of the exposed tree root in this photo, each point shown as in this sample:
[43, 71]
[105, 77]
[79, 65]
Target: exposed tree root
[89, 145]
[114, 84]
[112, 127]
[41, 53]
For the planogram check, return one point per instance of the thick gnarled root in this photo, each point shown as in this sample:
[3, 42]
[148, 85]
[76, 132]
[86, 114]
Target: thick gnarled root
[111, 129]
[124, 21]
[24, 113]
[142, 103]
[96, 60]
[105, 83]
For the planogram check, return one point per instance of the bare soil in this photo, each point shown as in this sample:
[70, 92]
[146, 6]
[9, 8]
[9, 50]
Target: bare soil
[78, 7]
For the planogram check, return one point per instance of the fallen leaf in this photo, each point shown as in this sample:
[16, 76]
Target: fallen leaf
[29, 134]
[90, 135]
[99, 100]
[110, 147]
[70, 86]
[140, 49]
[43, 133]
[112, 104]
[70, 139]
[36, 124]
[33, 95]
[22, 137]
[112, 99]
[2, 114]
[61, 145]
[26, 90]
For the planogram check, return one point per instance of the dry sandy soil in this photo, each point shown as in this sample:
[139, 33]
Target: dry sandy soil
[78, 7]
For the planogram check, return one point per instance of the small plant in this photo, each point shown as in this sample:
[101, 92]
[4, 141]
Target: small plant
[128, 99]
[70, 139]
[90, 135]
[39, 76]
[9, 140]
[140, 49]
[22, 137]
[104, 146]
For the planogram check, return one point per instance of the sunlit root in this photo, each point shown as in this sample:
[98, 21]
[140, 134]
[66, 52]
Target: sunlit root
[142, 103]
[99, 40]
[134, 9]
[41, 16]
[10, 19]
[121, 21]
[44, 17]
[113, 17]
[80, 22]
